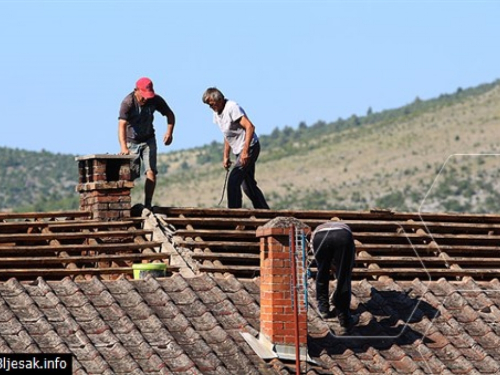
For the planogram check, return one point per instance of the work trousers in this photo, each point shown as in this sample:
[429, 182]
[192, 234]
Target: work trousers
[334, 248]
[243, 177]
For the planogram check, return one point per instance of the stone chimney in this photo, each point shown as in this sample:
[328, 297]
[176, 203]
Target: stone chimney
[104, 185]
[279, 326]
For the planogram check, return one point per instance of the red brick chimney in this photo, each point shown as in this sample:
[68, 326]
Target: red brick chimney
[104, 185]
[278, 323]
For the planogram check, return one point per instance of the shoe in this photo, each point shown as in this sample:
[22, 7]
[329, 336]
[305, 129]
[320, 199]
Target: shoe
[325, 314]
[334, 312]
[347, 321]
[324, 311]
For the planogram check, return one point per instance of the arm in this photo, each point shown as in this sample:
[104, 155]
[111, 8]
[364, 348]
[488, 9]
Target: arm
[226, 159]
[249, 131]
[168, 137]
[122, 137]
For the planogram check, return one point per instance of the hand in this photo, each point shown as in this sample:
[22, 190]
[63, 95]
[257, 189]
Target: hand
[167, 139]
[227, 163]
[244, 158]
[124, 151]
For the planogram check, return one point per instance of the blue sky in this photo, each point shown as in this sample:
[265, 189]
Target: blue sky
[67, 65]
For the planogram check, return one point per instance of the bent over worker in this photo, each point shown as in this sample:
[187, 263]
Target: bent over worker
[334, 249]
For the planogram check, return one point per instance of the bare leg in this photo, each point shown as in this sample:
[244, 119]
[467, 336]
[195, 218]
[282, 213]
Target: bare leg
[149, 188]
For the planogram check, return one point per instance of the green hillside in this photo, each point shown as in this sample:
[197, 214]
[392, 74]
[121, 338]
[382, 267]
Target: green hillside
[430, 155]
[37, 181]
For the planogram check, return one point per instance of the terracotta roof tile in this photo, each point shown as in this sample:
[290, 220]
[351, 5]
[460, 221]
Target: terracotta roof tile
[88, 353]
[488, 366]
[488, 342]
[4, 347]
[9, 325]
[405, 365]
[433, 365]
[376, 364]
[176, 360]
[437, 341]
[176, 283]
[66, 287]
[459, 365]
[164, 308]
[85, 312]
[96, 367]
[155, 296]
[449, 327]
[21, 342]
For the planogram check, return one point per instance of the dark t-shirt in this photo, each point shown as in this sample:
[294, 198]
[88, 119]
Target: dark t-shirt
[140, 119]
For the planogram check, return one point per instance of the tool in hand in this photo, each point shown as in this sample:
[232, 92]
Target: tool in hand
[225, 183]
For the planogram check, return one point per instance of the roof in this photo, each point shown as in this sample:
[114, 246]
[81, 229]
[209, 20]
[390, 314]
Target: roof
[401, 245]
[443, 321]
[193, 325]
[70, 243]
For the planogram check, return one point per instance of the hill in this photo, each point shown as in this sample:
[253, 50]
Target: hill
[430, 155]
[407, 159]
[37, 181]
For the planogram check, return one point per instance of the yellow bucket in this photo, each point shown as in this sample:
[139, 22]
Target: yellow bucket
[153, 269]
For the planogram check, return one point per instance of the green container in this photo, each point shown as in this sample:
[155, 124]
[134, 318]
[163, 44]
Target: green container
[153, 269]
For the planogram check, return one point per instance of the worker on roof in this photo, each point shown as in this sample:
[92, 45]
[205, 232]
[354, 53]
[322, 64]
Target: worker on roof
[334, 250]
[240, 137]
[136, 133]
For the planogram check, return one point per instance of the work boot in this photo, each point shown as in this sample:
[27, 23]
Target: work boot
[324, 310]
[347, 321]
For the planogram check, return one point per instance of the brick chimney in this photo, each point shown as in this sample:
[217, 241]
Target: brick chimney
[104, 185]
[278, 325]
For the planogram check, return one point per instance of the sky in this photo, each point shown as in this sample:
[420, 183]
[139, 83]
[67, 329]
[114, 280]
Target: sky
[66, 66]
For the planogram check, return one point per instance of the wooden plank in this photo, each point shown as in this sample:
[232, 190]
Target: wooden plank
[44, 215]
[430, 261]
[220, 245]
[12, 226]
[230, 269]
[80, 259]
[103, 248]
[223, 256]
[99, 224]
[425, 249]
[372, 237]
[71, 236]
[416, 238]
[356, 225]
[327, 215]
[216, 222]
[216, 233]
